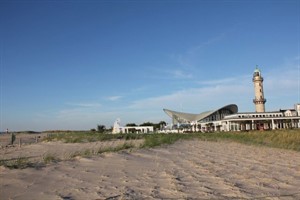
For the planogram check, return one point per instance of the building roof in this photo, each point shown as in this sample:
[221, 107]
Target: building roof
[197, 117]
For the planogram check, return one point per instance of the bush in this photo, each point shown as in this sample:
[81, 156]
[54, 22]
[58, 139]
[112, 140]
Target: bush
[19, 163]
[48, 158]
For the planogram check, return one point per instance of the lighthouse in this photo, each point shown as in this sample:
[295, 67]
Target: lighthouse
[259, 99]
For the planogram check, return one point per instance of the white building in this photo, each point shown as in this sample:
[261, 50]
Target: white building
[130, 129]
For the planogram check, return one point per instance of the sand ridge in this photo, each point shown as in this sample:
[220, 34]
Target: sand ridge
[184, 170]
[59, 149]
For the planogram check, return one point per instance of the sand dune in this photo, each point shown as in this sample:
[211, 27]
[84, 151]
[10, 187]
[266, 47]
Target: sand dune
[185, 170]
[63, 151]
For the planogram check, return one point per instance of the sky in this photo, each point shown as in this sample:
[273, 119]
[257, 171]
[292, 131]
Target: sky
[71, 65]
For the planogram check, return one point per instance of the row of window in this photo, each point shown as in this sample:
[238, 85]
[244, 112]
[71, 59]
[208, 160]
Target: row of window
[263, 115]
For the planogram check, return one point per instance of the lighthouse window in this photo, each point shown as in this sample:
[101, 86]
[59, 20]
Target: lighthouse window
[260, 90]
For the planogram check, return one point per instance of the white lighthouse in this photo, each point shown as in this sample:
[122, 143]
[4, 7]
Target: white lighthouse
[259, 99]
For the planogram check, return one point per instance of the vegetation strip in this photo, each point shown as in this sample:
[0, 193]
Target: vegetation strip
[286, 139]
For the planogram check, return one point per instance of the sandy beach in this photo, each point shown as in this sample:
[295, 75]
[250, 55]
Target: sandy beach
[184, 170]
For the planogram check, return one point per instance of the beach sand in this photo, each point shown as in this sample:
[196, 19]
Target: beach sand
[185, 170]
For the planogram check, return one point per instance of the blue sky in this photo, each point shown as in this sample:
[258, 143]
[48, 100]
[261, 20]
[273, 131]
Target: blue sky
[76, 64]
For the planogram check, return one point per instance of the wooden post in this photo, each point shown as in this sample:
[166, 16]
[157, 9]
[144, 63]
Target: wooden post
[36, 139]
[20, 142]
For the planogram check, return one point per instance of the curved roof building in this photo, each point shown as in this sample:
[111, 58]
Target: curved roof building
[219, 114]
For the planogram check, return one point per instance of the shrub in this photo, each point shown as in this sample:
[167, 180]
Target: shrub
[19, 163]
[48, 158]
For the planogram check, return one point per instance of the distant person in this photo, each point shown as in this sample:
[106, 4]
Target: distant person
[7, 130]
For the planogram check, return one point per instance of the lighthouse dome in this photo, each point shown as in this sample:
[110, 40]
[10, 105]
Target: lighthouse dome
[256, 72]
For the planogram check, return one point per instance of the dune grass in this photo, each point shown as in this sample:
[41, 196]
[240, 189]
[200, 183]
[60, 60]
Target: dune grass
[49, 158]
[18, 163]
[159, 139]
[25, 162]
[287, 139]
[87, 153]
[82, 136]
[117, 148]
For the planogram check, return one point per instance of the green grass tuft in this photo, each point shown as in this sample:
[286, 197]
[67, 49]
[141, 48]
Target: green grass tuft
[116, 149]
[18, 163]
[154, 140]
[49, 158]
